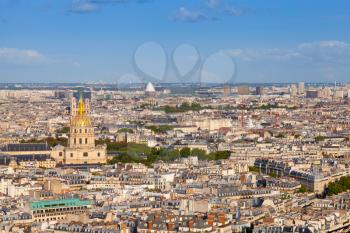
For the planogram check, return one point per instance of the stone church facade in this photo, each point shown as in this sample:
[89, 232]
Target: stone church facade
[81, 147]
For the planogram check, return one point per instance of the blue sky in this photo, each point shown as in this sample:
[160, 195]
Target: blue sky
[114, 40]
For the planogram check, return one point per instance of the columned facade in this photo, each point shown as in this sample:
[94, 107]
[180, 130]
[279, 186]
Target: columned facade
[81, 144]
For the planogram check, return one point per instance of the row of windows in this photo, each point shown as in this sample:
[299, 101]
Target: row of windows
[51, 219]
[81, 131]
[80, 141]
[85, 154]
[59, 211]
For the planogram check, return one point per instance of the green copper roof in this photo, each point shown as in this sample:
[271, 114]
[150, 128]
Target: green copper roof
[71, 202]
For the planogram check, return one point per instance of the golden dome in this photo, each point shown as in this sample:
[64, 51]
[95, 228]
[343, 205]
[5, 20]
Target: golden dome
[81, 119]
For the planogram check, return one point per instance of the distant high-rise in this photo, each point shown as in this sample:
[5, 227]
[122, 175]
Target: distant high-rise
[84, 94]
[243, 90]
[293, 90]
[301, 88]
[259, 90]
[62, 94]
[227, 91]
[339, 94]
[325, 92]
[312, 94]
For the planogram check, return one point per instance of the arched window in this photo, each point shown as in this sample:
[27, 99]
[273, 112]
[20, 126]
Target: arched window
[86, 140]
[85, 154]
[80, 141]
[80, 131]
[75, 141]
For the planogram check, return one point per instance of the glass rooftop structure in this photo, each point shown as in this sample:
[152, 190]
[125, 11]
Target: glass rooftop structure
[58, 203]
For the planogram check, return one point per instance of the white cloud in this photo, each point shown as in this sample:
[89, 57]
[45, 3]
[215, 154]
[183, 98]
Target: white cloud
[226, 7]
[213, 3]
[250, 54]
[231, 10]
[89, 6]
[331, 52]
[83, 6]
[324, 44]
[185, 15]
[18, 56]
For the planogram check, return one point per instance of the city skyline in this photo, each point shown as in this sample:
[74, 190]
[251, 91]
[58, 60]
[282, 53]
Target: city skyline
[97, 40]
[174, 116]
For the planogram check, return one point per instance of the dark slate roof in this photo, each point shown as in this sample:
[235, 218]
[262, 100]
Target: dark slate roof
[5, 159]
[26, 147]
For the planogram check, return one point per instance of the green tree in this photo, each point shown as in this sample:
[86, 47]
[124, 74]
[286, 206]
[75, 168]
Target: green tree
[254, 169]
[201, 154]
[63, 130]
[162, 129]
[341, 185]
[125, 130]
[218, 155]
[302, 189]
[185, 152]
[320, 138]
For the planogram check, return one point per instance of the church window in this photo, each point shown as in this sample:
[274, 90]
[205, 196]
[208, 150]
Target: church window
[98, 154]
[86, 140]
[71, 155]
[80, 141]
[85, 154]
[60, 153]
[75, 141]
[80, 131]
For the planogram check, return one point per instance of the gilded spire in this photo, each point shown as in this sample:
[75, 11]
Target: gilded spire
[81, 119]
[81, 107]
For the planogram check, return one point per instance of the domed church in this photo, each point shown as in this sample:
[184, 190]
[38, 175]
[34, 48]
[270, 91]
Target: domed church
[81, 144]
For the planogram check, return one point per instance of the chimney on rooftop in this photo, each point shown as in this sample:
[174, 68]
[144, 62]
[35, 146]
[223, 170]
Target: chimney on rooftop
[190, 224]
[169, 222]
[222, 218]
[210, 219]
[170, 226]
[149, 225]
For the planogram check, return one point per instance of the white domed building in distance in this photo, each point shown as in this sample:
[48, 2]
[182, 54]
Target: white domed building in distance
[150, 94]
